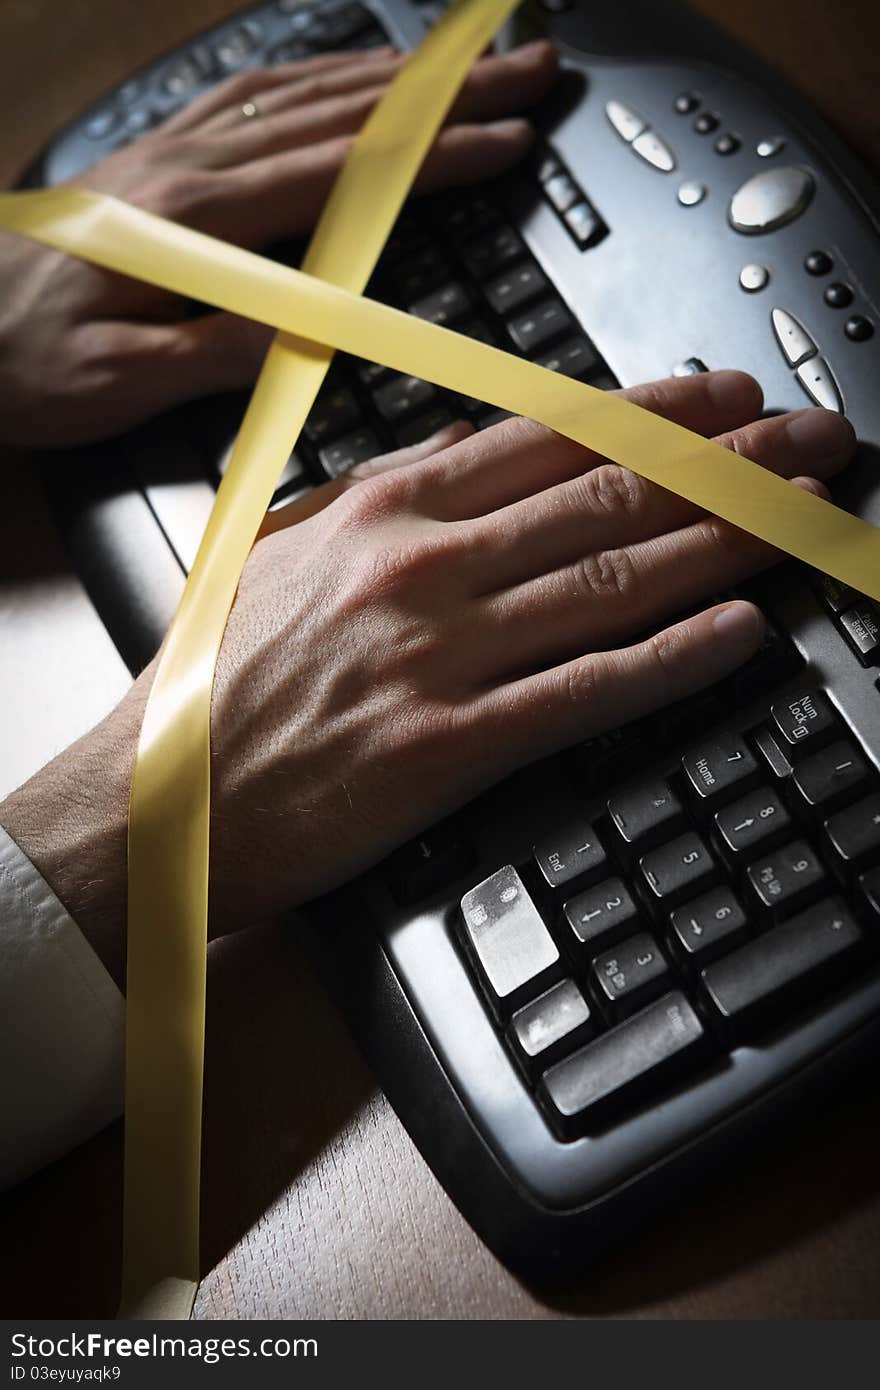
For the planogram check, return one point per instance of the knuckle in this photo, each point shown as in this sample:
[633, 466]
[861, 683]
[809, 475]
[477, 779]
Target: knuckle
[666, 650]
[747, 441]
[613, 490]
[607, 575]
[580, 680]
[380, 497]
[243, 84]
[174, 192]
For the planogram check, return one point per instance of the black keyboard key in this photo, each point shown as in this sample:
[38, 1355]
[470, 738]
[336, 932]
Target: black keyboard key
[791, 961]
[574, 853]
[492, 252]
[546, 321]
[645, 813]
[556, 1023]
[784, 880]
[187, 72]
[678, 870]
[861, 627]
[517, 955]
[425, 865]
[854, 834]
[423, 427]
[236, 46]
[464, 218]
[585, 224]
[804, 721]
[506, 293]
[370, 372]
[630, 974]
[417, 273]
[288, 51]
[707, 927]
[443, 306]
[753, 823]
[333, 28]
[576, 357]
[835, 595]
[601, 915]
[623, 1063]
[833, 775]
[869, 895]
[402, 397]
[354, 448]
[775, 660]
[476, 328]
[719, 769]
[335, 412]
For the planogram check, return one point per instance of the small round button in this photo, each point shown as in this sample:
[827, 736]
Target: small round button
[858, 328]
[838, 295]
[686, 102]
[706, 122]
[818, 263]
[727, 143]
[691, 192]
[754, 277]
[771, 145]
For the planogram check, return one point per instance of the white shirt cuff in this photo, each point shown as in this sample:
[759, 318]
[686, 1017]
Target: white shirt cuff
[62, 1025]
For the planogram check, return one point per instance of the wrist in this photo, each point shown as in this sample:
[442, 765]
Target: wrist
[71, 821]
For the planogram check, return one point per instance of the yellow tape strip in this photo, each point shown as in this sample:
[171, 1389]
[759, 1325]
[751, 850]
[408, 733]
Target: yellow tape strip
[168, 837]
[121, 237]
[170, 795]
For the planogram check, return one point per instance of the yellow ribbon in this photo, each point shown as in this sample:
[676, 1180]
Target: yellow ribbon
[315, 313]
[120, 237]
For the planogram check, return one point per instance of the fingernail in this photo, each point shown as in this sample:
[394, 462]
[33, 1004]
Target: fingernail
[512, 126]
[821, 434]
[735, 391]
[813, 485]
[528, 52]
[739, 621]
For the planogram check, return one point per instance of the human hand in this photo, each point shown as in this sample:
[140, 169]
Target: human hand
[85, 354]
[447, 618]
[445, 622]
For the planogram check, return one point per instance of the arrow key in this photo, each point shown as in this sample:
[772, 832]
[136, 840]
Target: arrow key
[707, 926]
[758, 820]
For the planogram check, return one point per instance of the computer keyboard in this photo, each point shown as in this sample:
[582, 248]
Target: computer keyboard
[580, 990]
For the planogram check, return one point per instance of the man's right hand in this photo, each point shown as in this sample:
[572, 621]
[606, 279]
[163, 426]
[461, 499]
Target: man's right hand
[437, 625]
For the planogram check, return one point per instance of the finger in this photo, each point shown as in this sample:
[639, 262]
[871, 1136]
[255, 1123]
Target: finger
[495, 87]
[244, 86]
[436, 443]
[309, 111]
[518, 457]
[238, 140]
[502, 84]
[609, 507]
[252, 203]
[540, 714]
[611, 593]
[199, 357]
[301, 508]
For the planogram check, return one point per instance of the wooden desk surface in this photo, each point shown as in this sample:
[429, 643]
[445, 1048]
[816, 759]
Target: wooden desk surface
[316, 1203]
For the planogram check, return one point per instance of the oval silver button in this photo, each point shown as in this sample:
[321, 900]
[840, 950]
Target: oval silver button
[816, 378]
[792, 337]
[654, 150]
[626, 122]
[770, 199]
